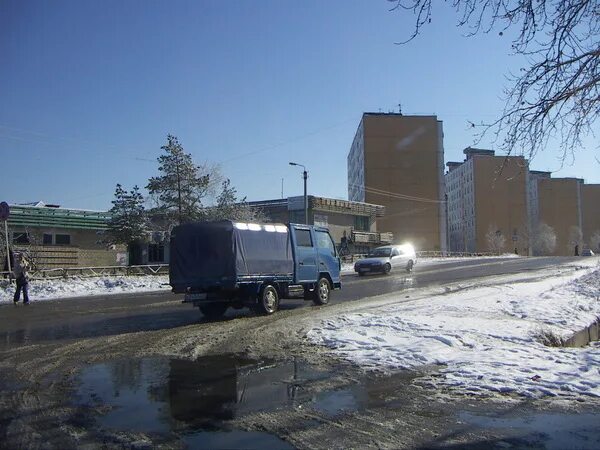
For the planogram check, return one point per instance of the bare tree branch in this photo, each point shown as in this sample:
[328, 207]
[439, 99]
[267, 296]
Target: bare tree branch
[557, 96]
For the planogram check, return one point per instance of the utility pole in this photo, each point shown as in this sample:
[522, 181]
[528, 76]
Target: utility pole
[305, 176]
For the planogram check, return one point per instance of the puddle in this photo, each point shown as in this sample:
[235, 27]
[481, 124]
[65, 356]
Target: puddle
[552, 431]
[197, 398]
[248, 440]
[154, 394]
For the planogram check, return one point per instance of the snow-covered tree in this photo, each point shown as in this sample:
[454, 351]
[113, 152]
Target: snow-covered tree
[129, 221]
[544, 240]
[181, 185]
[228, 206]
[495, 239]
[575, 239]
[595, 241]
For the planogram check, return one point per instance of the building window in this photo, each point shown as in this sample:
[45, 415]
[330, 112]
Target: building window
[156, 253]
[21, 238]
[62, 239]
[47, 239]
[361, 223]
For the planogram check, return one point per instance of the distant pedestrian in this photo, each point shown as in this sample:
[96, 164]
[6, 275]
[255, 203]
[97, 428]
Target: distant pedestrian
[576, 250]
[20, 272]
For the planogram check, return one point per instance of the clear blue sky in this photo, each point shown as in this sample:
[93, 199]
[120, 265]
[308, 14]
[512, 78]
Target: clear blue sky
[90, 89]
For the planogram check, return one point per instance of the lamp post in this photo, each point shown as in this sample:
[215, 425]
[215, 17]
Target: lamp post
[305, 176]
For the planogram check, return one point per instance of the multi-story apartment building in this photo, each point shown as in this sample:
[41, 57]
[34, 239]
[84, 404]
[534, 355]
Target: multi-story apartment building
[487, 203]
[590, 203]
[398, 161]
[559, 206]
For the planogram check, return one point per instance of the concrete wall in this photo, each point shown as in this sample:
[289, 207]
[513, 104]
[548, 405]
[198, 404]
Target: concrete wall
[403, 173]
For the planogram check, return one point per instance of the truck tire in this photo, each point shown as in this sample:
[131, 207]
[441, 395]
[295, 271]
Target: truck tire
[268, 300]
[213, 311]
[322, 290]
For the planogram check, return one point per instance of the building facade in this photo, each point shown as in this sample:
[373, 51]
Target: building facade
[352, 225]
[559, 206]
[487, 203]
[60, 237]
[398, 161]
[590, 203]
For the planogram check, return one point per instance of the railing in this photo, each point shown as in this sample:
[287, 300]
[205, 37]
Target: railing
[427, 254]
[89, 272]
[439, 254]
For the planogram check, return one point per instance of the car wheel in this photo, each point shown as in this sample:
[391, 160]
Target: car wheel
[213, 311]
[410, 265]
[268, 301]
[322, 291]
[387, 268]
[361, 274]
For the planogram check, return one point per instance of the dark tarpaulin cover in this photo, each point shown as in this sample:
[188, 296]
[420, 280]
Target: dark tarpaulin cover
[205, 251]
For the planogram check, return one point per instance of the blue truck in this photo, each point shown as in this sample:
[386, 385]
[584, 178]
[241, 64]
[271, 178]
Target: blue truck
[217, 265]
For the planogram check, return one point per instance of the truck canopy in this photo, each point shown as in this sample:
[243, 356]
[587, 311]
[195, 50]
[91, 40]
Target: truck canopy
[209, 253]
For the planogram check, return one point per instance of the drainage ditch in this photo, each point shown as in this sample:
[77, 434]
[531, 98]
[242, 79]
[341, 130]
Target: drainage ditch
[584, 337]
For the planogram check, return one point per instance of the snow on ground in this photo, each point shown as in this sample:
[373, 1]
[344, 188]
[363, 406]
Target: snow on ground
[79, 287]
[484, 339]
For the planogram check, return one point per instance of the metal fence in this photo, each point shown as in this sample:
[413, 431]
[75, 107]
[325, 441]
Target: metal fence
[427, 254]
[163, 269]
[90, 272]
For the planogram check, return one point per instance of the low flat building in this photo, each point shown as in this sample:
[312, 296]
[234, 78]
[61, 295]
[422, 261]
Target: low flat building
[353, 225]
[61, 237]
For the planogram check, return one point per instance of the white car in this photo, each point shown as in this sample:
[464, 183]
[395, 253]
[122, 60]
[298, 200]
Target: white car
[387, 258]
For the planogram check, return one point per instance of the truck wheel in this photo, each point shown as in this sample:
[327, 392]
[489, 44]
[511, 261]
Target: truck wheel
[322, 291]
[268, 301]
[213, 311]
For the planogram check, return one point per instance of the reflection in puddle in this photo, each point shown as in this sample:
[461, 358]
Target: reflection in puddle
[334, 403]
[162, 395]
[548, 430]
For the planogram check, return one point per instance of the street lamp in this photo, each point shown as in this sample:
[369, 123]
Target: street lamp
[305, 176]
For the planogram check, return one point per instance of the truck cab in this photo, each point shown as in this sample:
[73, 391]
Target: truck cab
[315, 255]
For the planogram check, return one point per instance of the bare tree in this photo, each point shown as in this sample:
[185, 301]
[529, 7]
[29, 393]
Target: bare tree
[495, 239]
[544, 240]
[557, 94]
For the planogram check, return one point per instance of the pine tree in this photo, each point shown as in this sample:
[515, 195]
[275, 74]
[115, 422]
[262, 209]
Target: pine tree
[180, 187]
[129, 221]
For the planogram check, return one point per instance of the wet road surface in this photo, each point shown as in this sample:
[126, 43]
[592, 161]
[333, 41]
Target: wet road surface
[77, 318]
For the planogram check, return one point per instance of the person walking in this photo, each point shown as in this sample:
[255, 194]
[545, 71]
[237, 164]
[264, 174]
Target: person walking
[22, 277]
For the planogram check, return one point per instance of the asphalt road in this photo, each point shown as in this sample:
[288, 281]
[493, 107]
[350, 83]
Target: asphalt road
[77, 318]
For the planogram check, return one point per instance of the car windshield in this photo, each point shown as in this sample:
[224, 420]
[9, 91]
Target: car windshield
[380, 252]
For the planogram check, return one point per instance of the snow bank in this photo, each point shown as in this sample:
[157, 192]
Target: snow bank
[79, 287]
[483, 338]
